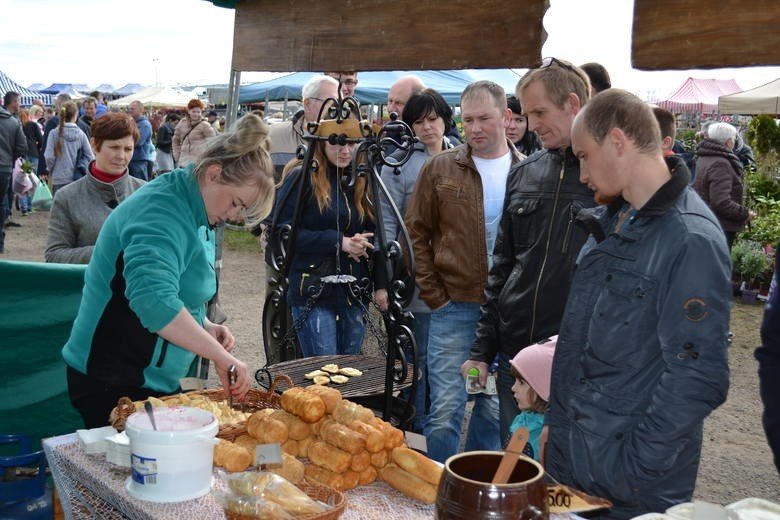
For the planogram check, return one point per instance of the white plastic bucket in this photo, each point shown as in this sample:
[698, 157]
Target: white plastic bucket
[174, 462]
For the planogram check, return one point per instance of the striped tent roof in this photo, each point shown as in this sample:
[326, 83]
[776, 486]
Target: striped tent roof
[699, 96]
[27, 96]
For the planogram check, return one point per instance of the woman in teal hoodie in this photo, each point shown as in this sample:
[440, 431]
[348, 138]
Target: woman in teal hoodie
[142, 320]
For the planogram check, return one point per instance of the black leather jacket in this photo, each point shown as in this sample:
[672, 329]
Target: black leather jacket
[533, 261]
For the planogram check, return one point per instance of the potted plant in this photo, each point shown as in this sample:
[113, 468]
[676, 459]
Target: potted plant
[749, 261]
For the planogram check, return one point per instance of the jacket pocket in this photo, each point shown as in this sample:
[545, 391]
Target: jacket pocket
[570, 215]
[624, 316]
[525, 216]
[450, 192]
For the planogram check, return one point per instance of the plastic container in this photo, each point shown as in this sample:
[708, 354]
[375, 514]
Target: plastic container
[174, 462]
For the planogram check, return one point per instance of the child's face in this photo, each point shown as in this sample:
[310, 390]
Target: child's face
[524, 394]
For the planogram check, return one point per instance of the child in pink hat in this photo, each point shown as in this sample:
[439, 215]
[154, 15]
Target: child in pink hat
[532, 368]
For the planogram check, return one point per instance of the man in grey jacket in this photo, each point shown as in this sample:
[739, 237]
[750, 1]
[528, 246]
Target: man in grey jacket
[641, 357]
[13, 145]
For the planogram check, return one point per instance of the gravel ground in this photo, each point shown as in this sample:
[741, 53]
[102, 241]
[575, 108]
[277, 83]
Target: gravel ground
[736, 462]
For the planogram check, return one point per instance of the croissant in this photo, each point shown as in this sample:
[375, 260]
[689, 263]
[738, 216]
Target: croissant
[266, 429]
[323, 454]
[342, 437]
[231, 456]
[295, 426]
[330, 396]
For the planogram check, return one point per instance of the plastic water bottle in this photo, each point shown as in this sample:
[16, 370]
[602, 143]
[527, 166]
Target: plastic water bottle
[472, 381]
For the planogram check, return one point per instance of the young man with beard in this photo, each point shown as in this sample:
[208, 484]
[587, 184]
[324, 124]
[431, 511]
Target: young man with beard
[641, 357]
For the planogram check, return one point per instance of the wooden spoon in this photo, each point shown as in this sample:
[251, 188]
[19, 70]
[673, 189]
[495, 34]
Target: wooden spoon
[511, 454]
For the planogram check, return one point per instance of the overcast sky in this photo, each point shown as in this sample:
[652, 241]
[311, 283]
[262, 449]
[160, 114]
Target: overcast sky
[186, 42]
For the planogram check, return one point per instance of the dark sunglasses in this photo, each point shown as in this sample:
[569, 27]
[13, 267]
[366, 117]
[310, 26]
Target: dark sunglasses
[549, 62]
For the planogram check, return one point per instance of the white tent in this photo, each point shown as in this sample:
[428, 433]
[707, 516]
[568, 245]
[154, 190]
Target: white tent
[760, 100]
[155, 97]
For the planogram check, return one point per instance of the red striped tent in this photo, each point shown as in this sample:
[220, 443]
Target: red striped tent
[699, 96]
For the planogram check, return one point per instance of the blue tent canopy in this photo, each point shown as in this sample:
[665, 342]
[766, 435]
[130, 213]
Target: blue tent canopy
[373, 86]
[56, 88]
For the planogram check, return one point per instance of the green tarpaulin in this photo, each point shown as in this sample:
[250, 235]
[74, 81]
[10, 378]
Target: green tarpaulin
[37, 307]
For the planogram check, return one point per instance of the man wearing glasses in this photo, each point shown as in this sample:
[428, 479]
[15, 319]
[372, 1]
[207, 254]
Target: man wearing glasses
[538, 241]
[348, 80]
[287, 136]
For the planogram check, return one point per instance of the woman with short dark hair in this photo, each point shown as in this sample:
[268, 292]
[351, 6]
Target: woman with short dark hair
[80, 208]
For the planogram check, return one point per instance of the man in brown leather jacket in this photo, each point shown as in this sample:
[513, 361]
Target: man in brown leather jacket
[453, 220]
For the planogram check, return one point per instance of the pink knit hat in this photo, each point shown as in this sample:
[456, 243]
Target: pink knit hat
[534, 363]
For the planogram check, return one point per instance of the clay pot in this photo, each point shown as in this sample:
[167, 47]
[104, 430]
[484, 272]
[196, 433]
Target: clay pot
[465, 491]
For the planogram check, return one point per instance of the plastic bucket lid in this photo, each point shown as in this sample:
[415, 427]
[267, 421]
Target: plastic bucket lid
[176, 425]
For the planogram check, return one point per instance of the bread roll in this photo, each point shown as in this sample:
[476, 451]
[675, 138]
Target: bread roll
[303, 446]
[360, 461]
[306, 405]
[347, 412]
[330, 396]
[296, 427]
[317, 426]
[393, 436]
[324, 476]
[367, 476]
[265, 429]
[231, 456]
[408, 484]
[329, 457]
[380, 459]
[417, 464]
[291, 447]
[292, 469]
[351, 480]
[375, 438]
[342, 437]
[246, 441]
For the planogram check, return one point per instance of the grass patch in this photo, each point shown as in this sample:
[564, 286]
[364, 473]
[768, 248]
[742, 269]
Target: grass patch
[241, 240]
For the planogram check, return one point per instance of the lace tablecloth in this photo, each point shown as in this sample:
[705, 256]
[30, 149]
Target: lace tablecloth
[89, 487]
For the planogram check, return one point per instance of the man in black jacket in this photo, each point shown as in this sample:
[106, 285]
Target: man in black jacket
[768, 356]
[537, 242]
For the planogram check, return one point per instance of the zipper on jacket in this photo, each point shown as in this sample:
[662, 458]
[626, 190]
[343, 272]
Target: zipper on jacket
[567, 235]
[546, 250]
[163, 351]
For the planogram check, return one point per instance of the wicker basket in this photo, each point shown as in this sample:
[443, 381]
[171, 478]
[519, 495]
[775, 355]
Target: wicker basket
[326, 495]
[256, 399]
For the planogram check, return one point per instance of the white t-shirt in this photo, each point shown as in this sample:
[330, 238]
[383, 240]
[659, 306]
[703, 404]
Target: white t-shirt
[494, 173]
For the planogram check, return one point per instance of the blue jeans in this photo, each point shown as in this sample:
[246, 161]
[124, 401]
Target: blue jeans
[422, 321]
[507, 405]
[25, 203]
[5, 185]
[330, 329]
[450, 337]
[139, 169]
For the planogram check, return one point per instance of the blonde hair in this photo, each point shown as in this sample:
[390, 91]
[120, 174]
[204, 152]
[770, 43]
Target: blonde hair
[243, 154]
[35, 110]
[68, 113]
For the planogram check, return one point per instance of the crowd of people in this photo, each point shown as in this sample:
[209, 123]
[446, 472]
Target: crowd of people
[560, 245]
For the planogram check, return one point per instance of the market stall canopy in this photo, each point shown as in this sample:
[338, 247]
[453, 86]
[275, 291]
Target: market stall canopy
[702, 34]
[156, 97]
[105, 88]
[699, 96]
[128, 89]
[26, 96]
[366, 35]
[325, 35]
[373, 86]
[56, 88]
[36, 86]
[760, 100]
[74, 94]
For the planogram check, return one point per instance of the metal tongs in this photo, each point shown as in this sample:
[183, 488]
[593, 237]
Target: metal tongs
[231, 380]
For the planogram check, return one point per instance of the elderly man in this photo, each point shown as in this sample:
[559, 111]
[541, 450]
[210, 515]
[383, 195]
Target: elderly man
[141, 164]
[537, 240]
[642, 356]
[400, 92]
[452, 220]
[286, 136]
